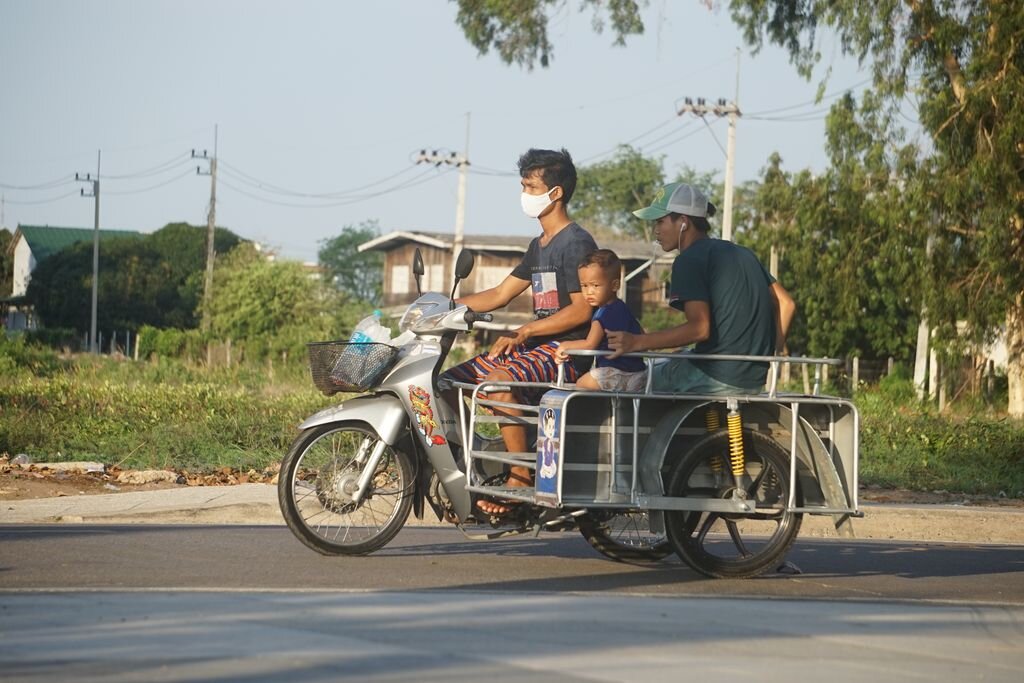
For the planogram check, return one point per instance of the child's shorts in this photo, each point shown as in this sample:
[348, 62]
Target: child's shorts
[614, 379]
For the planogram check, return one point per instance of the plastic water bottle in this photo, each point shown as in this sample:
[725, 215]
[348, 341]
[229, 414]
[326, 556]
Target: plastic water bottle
[369, 330]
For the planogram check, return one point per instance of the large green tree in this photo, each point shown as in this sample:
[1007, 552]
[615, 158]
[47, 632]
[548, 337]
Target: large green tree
[276, 304]
[606, 189]
[963, 62]
[357, 274]
[518, 29]
[156, 280]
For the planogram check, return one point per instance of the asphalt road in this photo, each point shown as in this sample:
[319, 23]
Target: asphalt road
[226, 603]
[268, 558]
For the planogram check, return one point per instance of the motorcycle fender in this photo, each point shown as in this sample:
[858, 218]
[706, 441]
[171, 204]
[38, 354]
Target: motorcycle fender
[384, 413]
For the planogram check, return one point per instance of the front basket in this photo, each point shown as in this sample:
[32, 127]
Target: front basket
[347, 366]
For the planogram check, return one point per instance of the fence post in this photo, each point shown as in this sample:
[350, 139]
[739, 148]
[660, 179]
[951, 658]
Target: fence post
[889, 366]
[856, 372]
[227, 344]
[99, 342]
[807, 379]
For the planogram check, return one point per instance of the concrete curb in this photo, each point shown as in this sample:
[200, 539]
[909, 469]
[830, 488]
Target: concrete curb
[256, 504]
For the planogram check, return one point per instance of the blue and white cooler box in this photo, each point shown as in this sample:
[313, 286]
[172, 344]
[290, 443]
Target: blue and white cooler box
[549, 452]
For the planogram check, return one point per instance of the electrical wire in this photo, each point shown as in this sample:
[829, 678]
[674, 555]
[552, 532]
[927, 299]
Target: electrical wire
[264, 186]
[151, 187]
[49, 185]
[41, 201]
[669, 143]
[412, 182]
[170, 164]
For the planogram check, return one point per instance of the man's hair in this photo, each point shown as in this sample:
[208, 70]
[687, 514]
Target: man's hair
[605, 259]
[700, 222]
[556, 168]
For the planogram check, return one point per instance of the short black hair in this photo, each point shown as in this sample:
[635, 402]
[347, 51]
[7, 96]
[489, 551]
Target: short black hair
[556, 169]
[700, 222]
[605, 259]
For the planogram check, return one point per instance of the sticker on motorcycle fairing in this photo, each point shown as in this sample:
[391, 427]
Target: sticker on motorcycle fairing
[425, 423]
[547, 452]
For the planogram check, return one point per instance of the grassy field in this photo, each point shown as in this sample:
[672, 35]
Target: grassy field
[168, 414]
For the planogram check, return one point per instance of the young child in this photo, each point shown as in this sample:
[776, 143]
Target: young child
[599, 282]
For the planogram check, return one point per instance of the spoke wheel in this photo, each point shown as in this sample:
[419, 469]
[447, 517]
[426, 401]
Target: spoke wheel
[624, 536]
[316, 484]
[726, 545]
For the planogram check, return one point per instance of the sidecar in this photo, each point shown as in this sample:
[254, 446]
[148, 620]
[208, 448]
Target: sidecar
[721, 480]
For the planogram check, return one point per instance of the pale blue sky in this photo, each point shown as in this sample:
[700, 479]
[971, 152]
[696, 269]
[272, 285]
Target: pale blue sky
[319, 97]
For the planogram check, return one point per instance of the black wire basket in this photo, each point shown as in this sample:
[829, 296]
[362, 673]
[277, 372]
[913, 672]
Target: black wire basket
[350, 367]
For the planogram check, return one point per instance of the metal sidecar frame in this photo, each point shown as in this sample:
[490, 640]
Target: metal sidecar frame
[610, 450]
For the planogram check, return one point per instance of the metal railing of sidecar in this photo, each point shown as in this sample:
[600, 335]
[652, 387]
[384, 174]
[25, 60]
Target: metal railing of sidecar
[613, 445]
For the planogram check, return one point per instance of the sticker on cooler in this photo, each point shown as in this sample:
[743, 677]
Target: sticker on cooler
[548, 451]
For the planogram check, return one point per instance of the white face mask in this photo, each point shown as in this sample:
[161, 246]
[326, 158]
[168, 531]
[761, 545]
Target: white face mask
[534, 204]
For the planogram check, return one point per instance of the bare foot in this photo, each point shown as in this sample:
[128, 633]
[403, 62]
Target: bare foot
[519, 477]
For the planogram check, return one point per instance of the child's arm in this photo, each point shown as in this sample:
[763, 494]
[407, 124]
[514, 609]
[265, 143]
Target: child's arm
[591, 342]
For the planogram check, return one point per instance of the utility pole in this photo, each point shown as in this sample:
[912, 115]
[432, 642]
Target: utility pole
[721, 108]
[94, 346]
[211, 220]
[462, 162]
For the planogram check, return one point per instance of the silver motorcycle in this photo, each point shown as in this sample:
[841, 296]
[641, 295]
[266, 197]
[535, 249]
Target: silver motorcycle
[722, 481]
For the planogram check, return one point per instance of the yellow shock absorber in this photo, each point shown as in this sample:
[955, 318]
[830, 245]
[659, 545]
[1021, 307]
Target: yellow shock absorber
[713, 424]
[736, 456]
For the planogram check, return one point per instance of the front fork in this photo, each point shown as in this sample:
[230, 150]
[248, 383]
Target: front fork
[369, 460]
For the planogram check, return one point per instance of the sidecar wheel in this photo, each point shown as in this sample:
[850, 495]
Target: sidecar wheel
[623, 536]
[314, 491]
[727, 545]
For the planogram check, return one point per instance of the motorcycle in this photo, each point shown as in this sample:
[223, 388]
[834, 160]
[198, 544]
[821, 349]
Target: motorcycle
[639, 475]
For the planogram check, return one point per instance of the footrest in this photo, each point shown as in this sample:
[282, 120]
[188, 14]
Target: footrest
[523, 493]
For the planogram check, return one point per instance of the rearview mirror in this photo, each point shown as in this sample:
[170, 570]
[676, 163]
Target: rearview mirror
[464, 264]
[418, 269]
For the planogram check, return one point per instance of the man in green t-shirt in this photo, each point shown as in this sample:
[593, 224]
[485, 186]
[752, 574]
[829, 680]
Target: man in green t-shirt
[732, 305]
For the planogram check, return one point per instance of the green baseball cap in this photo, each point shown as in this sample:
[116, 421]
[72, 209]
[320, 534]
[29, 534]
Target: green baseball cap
[675, 198]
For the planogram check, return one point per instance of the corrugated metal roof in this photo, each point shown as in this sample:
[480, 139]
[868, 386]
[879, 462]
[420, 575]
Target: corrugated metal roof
[45, 240]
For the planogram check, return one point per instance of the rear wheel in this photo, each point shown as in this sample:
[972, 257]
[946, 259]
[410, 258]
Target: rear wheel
[624, 536]
[318, 478]
[730, 545]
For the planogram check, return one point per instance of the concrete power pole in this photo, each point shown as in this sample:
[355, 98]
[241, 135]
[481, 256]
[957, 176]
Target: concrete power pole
[211, 221]
[462, 162]
[721, 108]
[94, 346]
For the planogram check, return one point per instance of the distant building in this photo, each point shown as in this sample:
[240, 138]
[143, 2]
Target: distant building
[496, 256]
[31, 245]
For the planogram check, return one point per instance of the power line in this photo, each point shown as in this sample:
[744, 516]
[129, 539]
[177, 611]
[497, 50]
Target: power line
[152, 187]
[412, 182]
[265, 186]
[170, 164]
[49, 185]
[41, 201]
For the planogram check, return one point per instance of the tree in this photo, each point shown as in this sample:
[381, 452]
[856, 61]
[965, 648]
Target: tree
[155, 280]
[518, 30]
[6, 263]
[357, 274]
[964, 63]
[606, 190]
[276, 305]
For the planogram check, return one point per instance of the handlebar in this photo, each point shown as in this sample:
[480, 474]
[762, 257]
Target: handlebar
[472, 317]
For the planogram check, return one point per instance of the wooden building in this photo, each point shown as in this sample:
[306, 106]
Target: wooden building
[645, 268]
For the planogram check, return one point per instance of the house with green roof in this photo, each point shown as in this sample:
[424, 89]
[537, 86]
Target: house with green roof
[33, 244]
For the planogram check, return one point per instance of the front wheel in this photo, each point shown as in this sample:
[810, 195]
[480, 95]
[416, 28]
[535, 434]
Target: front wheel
[318, 477]
[623, 535]
[728, 545]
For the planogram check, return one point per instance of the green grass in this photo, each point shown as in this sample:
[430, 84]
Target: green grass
[170, 414]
